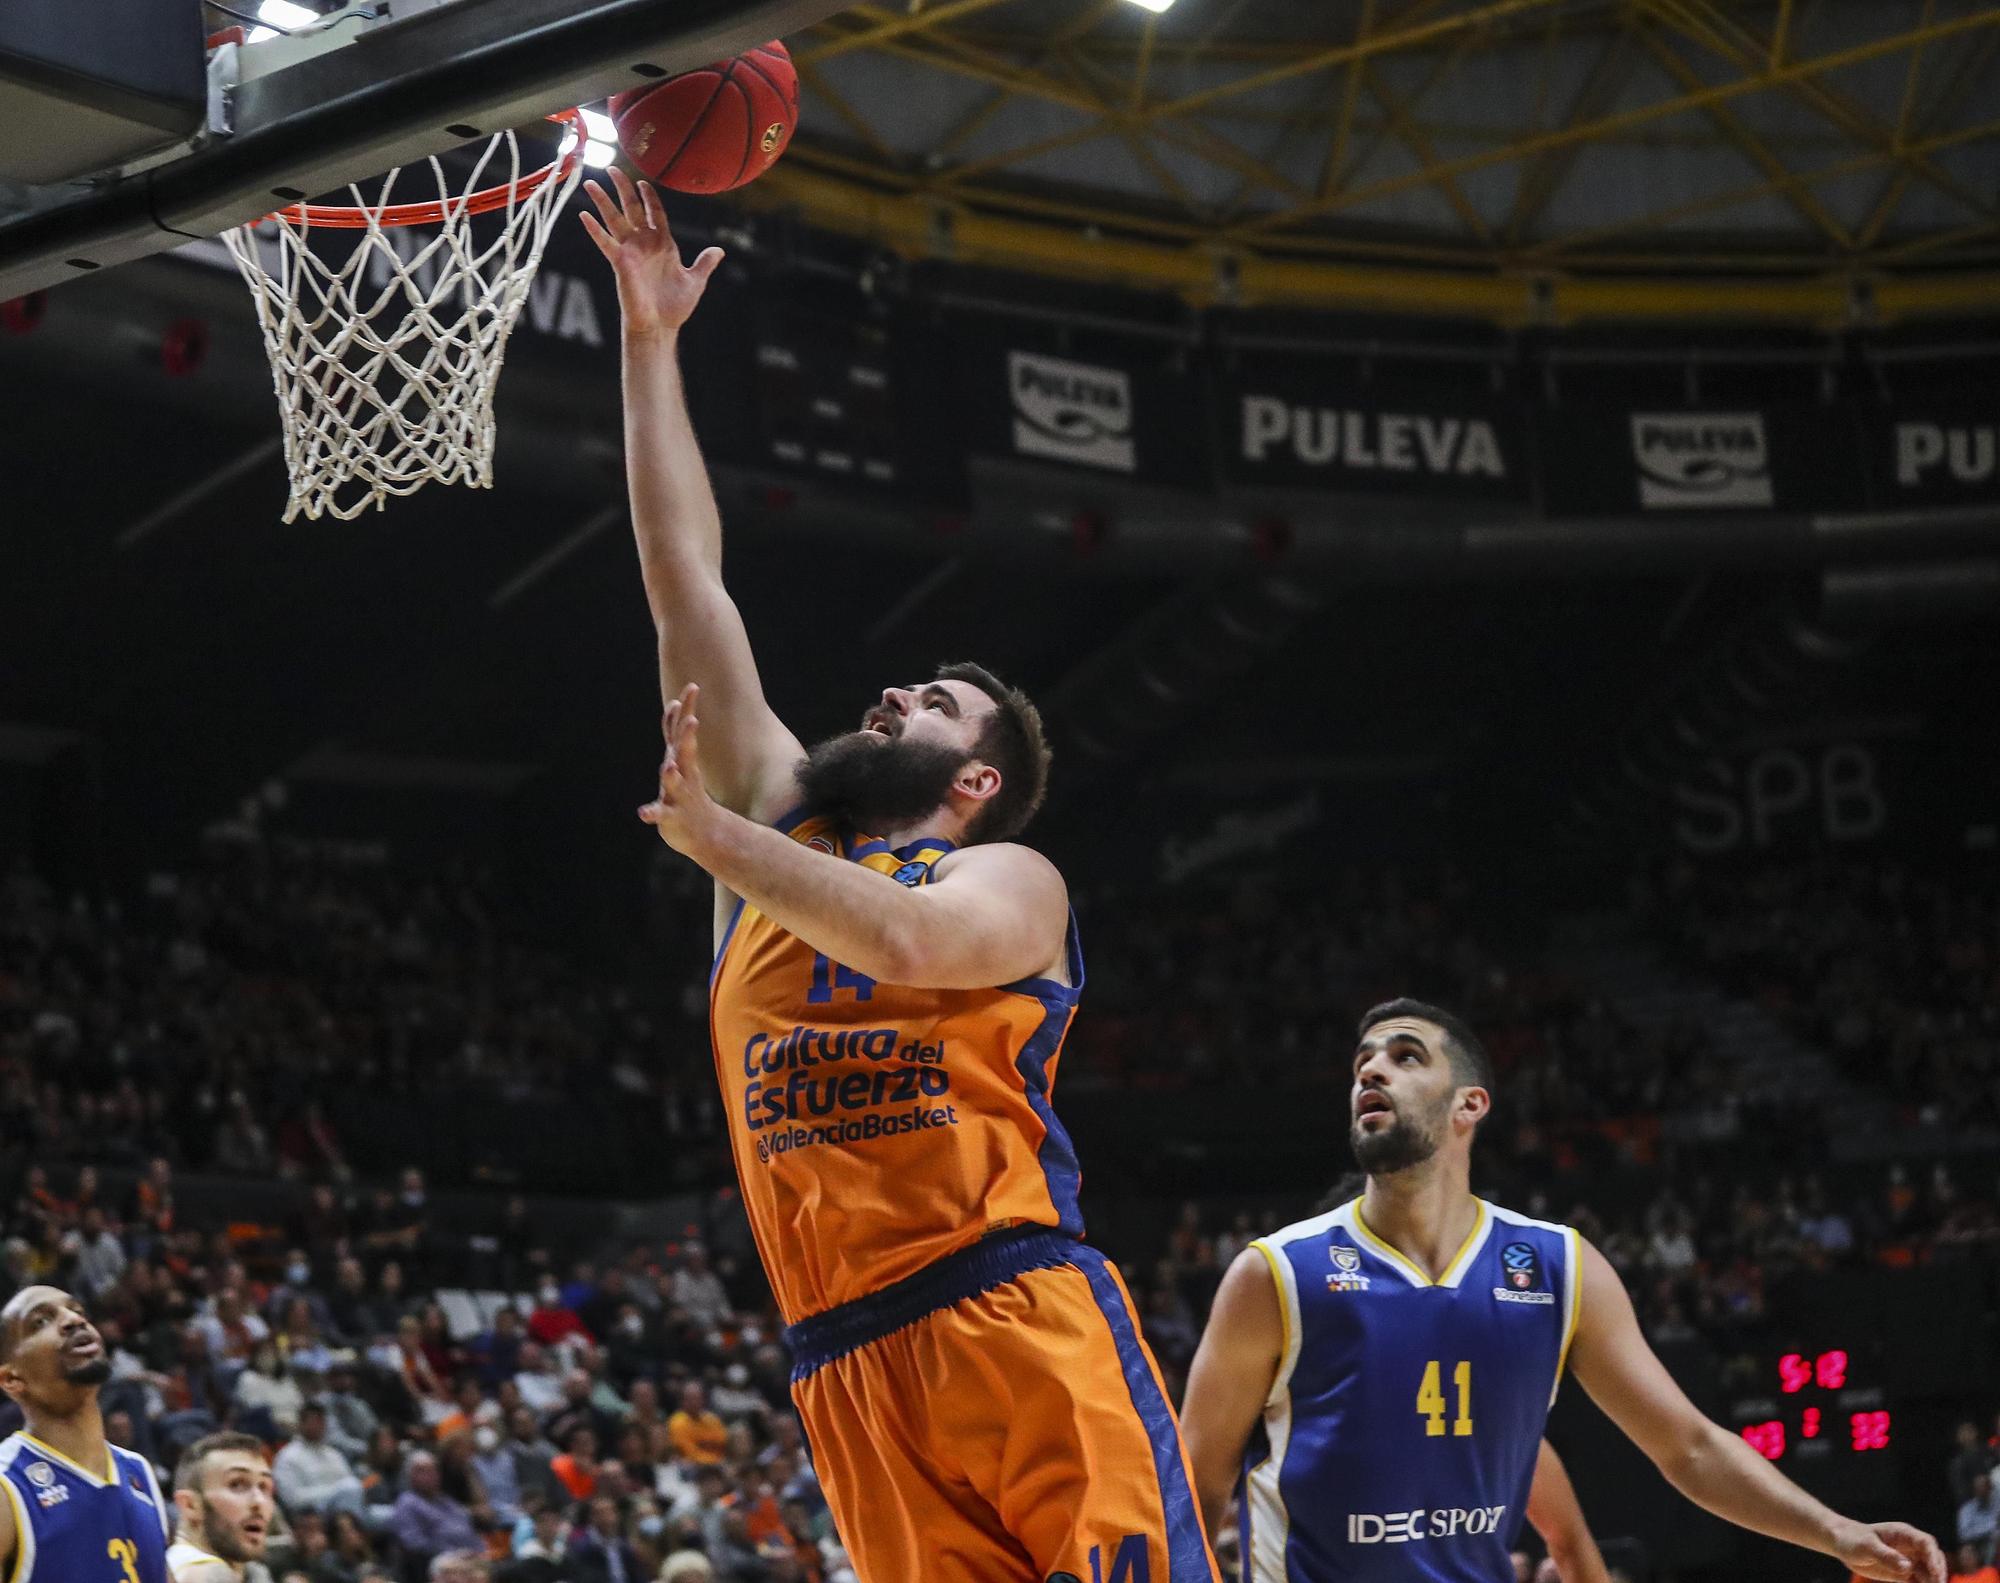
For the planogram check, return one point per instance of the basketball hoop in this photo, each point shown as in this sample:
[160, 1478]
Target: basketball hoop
[385, 362]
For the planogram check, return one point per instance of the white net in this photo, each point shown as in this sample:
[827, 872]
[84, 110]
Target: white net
[385, 356]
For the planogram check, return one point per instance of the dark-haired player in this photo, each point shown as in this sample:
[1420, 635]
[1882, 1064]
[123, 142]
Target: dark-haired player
[77, 1509]
[224, 1498]
[1390, 1365]
[893, 980]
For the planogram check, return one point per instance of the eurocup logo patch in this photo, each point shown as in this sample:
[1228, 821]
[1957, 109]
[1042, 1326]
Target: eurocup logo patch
[1524, 1266]
[911, 873]
[1346, 1276]
[41, 1475]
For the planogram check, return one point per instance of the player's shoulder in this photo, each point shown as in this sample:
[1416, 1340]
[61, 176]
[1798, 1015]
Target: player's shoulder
[1009, 860]
[1339, 1218]
[1505, 1217]
[187, 1564]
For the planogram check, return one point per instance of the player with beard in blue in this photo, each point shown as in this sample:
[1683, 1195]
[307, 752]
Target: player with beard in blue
[77, 1509]
[1375, 1381]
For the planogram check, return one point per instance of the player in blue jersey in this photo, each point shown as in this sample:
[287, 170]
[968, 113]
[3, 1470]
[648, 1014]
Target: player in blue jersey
[76, 1509]
[1376, 1380]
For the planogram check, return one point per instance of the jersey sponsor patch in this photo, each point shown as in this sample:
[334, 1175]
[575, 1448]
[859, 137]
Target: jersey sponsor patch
[1401, 1528]
[911, 873]
[1346, 1276]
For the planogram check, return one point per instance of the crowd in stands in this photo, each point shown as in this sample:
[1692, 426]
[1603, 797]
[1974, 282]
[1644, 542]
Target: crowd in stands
[1974, 1542]
[627, 1422]
[209, 1020]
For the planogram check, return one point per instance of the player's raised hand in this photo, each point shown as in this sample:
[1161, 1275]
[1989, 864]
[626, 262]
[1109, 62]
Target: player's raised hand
[683, 812]
[1893, 1553]
[656, 291]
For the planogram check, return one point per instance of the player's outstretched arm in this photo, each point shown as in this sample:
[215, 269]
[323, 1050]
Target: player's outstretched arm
[990, 915]
[8, 1538]
[1553, 1509]
[1230, 1379]
[1710, 1466]
[674, 518]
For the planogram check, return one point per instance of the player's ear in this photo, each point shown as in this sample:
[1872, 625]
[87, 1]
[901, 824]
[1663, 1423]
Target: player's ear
[188, 1505]
[977, 781]
[1474, 1104]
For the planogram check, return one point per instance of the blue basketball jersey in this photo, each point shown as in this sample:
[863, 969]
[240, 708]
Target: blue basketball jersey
[1399, 1440]
[75, 1526]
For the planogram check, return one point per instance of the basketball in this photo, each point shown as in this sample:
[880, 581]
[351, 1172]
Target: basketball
[713, 128]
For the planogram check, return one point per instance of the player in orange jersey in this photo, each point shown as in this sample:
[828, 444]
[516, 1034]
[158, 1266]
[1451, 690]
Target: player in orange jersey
[892, 983]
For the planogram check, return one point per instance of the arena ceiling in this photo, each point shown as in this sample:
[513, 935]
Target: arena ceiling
[1258, 148]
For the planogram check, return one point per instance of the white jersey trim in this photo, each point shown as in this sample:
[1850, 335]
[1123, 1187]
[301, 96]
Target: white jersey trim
[1570, 1294]
[152, 1483]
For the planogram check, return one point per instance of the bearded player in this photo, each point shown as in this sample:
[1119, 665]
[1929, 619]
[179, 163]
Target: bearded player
[1389, 1366]
[224, 1498]
[77, 1508]
[893, 979]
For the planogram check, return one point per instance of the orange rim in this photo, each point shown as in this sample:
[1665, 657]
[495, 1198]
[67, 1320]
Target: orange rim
[345, 217]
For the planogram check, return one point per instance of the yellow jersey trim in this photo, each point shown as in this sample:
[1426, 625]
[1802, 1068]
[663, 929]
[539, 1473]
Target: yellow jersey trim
[108, 1477]
[1575, 1298]
[24, 1534]
[1451, 1271]
[1284, 1308]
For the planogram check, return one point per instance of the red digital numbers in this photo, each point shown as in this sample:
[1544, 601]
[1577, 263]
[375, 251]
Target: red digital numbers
[1809, 1424]
[1767, 1439]
[1828, 1371]
[1869, 1431]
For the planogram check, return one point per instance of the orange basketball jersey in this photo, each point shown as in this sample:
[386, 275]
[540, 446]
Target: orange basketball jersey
[878, 1128]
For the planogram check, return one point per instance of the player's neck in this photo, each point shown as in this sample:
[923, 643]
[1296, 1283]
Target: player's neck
[184, 1535]
[1424, 1213]
[79, 1436]
[940, 824]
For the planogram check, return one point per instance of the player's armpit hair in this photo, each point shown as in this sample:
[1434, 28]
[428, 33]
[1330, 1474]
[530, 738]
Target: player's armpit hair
[1016, 744]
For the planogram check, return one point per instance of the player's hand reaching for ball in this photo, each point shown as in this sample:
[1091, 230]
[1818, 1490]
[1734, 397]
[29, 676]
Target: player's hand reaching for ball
[656, 291]
[683, 813]
[1892, 1552]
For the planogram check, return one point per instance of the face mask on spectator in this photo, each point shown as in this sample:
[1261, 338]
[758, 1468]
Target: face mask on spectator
[737, 1375]
[485, 1437]
[752, 1335]
[633, 1326]
[297, 1274]
[550, 1297]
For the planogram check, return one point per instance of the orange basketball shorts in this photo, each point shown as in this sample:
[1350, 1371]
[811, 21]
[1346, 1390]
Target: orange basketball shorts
[996, 1418]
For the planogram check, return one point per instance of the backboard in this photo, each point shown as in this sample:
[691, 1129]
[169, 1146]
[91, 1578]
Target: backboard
[365, 87]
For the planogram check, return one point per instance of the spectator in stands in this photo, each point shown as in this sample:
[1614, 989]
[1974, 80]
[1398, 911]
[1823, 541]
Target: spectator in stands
[698, 1434]
[599, 1553]
[100, 1256]
[350, 1422]
[349, 1553]
[311, 1473]
[493, 1466]
[1971, 1458]
[267, 1395]
[532, 1454]
[543, 1556]
[496, 1351]
[1968, 1566]
[539, 1381]
[1979, 1517]
[698, 1289]
[576, 1469]
[426, 1522]
[230, 1333]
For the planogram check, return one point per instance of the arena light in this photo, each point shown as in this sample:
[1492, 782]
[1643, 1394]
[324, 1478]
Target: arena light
[600, 145]
[1155, 6]
[284, 16]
